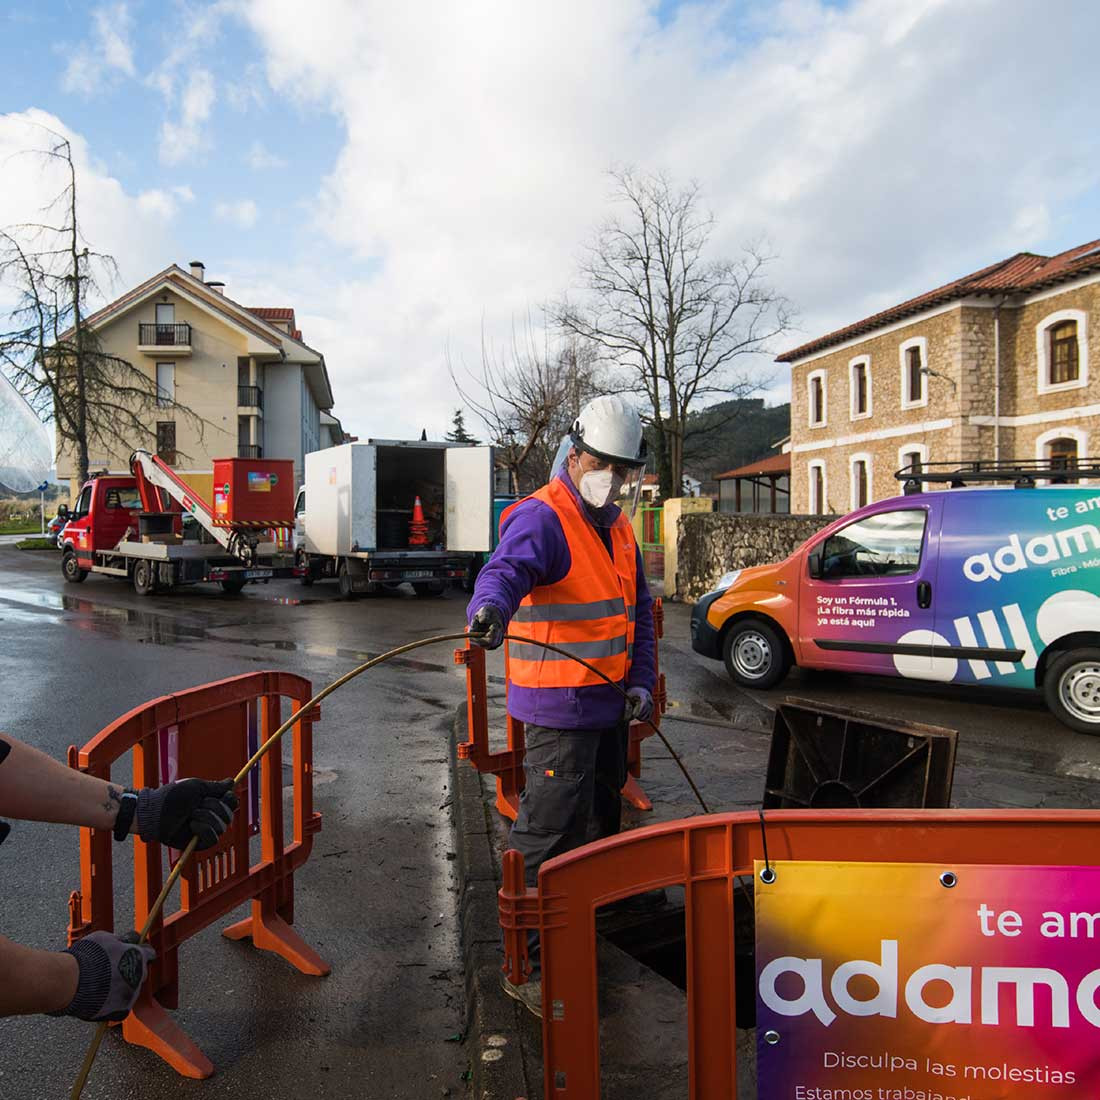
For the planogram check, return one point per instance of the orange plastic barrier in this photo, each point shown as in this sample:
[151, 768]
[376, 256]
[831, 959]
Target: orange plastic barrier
[705, 854]
[507, 766]
[208, 728]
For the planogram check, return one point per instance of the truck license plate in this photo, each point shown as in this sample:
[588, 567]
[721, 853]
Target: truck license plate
[416, 574]
[252, 574]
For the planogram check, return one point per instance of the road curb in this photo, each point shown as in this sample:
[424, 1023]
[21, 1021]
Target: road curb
[496, 1057]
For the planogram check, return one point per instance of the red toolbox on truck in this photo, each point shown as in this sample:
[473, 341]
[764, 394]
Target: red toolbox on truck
[254, 492]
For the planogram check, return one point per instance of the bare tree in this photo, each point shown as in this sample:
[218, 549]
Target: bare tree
[528, 398]
[47, 348]
[675, 323]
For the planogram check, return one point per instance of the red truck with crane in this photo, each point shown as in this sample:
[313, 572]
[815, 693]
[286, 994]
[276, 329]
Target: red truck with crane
[153, 529]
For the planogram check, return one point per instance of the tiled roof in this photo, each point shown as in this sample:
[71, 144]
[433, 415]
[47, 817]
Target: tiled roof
[273, 313]
[1022, 273]
[773, 464]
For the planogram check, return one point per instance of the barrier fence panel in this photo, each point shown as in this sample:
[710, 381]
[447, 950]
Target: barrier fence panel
[507, 765]
[706, 855]
[204, 733]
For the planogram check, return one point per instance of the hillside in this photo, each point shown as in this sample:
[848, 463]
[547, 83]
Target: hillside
[732, 433]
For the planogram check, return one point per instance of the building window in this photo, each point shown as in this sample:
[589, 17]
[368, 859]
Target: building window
[243, 372]
[1064, 365]
[166, 384]
[861, 480]
[1062, 448]
[914, 363]
[818, 505]
[817, 399]
[912, 457]
[166, 441]
[1061, 344]
[859, 387]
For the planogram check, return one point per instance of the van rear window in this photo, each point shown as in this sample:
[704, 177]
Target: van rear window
[885, 545]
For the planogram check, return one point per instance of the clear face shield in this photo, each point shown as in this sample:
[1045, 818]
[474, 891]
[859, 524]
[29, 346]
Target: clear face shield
[606, 488]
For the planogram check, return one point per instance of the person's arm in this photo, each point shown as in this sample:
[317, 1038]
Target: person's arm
[35, 787]
[35, 981]
[643, 667]
[532, 552]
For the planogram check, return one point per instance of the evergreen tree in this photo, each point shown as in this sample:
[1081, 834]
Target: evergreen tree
[458, 433]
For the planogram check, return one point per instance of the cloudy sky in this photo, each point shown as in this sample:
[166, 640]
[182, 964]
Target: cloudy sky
[411, 176]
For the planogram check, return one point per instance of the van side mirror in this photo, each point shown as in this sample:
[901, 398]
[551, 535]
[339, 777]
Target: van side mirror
[815, 564]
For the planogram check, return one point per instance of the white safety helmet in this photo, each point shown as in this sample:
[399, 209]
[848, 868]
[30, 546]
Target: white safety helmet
[611, 430]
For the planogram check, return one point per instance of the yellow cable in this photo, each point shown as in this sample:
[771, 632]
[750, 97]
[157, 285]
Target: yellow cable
[261, 752]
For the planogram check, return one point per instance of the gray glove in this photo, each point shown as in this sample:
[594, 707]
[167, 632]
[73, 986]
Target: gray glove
[111, 971]
[488, 622]
[176, 812]
[639, 705]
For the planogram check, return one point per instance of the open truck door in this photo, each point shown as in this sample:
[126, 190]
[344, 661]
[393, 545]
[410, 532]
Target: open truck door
[469, 499]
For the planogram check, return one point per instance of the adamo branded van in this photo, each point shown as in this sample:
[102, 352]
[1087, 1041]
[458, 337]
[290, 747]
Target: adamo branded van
[976, 584]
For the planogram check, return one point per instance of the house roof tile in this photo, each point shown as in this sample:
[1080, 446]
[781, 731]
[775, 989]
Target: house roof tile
[1022, 273]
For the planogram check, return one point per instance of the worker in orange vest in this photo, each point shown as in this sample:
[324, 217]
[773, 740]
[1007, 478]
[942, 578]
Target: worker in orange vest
[101, 975]
[568, 571]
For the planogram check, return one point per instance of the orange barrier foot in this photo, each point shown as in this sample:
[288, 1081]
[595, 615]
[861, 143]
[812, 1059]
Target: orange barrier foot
[633, 793]
[269, 932]
[148, 1025]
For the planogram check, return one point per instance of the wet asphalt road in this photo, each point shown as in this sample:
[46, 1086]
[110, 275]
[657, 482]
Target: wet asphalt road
[376, 898]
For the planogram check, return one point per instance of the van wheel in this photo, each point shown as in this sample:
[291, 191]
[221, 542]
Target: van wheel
[343, 578]
[755, 654]
[429, 588]
[144, 581]
[233, 586]
[1071, 687]
[70, 568]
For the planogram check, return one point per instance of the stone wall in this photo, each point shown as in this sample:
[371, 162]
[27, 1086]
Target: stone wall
[712, 544]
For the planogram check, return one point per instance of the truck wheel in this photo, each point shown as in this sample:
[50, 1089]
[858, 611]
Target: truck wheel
[1072, 689]
[70, 568]
[343, 578]
[233, 586]
[429, 588]
[307, 578]
[145, 583]
[755, 654]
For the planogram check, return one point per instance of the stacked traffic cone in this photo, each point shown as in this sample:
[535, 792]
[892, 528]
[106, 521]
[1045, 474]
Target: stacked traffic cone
[418, 526]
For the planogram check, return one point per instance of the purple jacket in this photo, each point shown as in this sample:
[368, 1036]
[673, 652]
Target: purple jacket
[533, 551]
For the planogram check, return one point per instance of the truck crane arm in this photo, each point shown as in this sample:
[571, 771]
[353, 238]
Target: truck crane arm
[152, 474]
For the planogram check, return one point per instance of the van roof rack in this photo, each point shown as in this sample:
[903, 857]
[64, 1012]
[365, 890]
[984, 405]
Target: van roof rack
[1021, 473]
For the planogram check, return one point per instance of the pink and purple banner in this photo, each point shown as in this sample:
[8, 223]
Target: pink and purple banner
[880, 981]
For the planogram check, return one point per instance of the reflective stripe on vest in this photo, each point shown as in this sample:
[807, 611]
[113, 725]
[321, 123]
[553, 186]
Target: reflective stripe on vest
[590, 613]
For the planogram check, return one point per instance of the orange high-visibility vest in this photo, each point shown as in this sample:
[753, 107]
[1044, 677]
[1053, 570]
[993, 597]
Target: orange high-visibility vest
[590, 612]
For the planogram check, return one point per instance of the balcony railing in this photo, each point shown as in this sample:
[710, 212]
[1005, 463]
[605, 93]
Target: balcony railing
[164, 336]
[250, 397]
[249, 450]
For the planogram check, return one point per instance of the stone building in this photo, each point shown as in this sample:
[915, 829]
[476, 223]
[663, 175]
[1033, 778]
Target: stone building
[994, 366]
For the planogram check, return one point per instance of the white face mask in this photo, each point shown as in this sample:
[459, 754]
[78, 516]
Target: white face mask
[600, 487]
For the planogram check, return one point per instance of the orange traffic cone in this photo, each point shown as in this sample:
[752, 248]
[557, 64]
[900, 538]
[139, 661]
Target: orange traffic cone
[418, 526]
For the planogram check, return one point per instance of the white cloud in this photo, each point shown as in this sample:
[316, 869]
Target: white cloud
[261, 158]
[181, 139]
[881, 150]
[135, 229]
[91, 66]
[165, 203]
[242, 213]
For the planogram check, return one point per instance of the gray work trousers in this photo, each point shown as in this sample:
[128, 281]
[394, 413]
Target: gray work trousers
[572, 795]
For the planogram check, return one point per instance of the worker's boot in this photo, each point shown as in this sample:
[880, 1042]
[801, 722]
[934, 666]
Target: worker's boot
[529, 994]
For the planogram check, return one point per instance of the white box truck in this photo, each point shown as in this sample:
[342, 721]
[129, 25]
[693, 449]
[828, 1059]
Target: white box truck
[353, 515]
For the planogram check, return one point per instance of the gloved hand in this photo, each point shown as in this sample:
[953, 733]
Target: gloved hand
[639, 705]
[111, 970]
[488, 622]
[172, 814]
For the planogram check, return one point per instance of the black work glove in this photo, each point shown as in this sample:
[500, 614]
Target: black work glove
[176, 812]
[487, 622]
[111, 970]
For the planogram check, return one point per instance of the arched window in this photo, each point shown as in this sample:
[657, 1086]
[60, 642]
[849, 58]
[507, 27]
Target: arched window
[1062, 350]
[1064, 364]
[818, 506]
